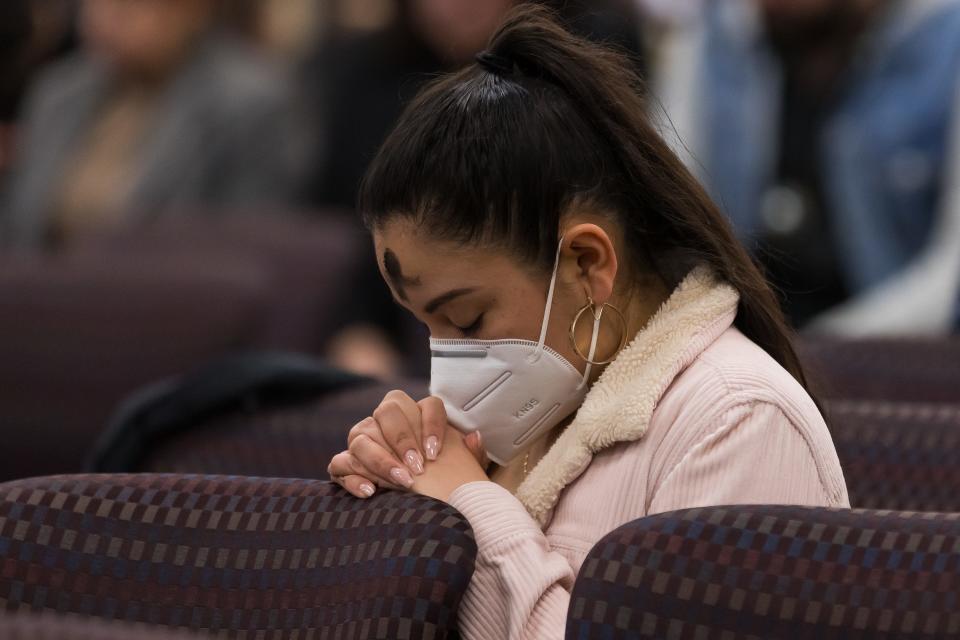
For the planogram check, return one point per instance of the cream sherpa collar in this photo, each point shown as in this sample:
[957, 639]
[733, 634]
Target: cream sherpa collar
[619, 405]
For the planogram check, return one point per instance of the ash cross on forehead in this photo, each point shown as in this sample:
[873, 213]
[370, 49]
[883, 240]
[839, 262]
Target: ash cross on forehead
[400, 282]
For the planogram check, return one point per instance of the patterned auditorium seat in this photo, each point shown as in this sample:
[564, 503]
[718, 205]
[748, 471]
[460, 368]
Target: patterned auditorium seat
[295, 441]
[902, 456]
[242, 557]
[772, 572]
[923, 370]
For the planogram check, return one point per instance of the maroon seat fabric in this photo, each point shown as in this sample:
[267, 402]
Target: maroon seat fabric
[901, 456]
[757, 571]
[888, 370]
[309, 261]
[294, 441]
[79, 334]
[70, 627]
[272, 559]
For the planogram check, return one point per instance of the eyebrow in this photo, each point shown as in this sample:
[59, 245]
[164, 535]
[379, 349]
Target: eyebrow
[441, 300]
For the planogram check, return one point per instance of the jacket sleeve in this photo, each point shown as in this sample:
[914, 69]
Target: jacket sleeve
[782, 467]
[520, 587]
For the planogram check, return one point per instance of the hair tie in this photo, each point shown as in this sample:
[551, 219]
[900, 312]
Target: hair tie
[494, 63]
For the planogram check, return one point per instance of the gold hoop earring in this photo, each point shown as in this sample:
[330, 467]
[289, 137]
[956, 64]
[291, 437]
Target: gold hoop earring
[596, 316]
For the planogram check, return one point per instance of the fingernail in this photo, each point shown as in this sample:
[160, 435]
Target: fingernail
[414, 460]
[432, 445]
[401, 477]
[367, 489]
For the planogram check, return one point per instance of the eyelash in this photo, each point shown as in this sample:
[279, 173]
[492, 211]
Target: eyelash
[473, 328]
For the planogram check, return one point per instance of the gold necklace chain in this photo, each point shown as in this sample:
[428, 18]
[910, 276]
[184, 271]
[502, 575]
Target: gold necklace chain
[526, 459]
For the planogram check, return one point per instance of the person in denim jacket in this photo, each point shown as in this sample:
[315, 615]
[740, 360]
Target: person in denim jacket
[828, 131]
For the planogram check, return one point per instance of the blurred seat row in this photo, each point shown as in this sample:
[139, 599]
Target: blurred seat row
[224, 526]
[80, 330]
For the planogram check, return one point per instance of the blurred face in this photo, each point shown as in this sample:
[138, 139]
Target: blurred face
[457, 29]
[461, 292]
[143, 37]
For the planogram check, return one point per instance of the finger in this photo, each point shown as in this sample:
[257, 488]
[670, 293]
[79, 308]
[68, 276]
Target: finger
[380, 461]
[402, 437]
[433, 424]
[346, 464]
[474, 444]
[368, 426]
[411, 409]
[357, 485]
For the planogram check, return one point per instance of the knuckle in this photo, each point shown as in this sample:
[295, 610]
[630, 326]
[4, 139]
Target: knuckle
[386, 407]
[357, 443]
[356, 467]
[359, 428]
[435, 408]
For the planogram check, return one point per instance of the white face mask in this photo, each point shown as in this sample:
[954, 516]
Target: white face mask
[511, 391]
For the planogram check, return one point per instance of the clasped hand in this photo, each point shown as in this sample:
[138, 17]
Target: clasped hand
[408, 445]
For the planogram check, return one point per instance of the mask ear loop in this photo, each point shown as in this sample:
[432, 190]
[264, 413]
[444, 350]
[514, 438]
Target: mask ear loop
[594, 337]
[544, 324]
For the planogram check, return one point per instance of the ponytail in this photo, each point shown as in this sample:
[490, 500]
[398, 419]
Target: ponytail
[544, 119]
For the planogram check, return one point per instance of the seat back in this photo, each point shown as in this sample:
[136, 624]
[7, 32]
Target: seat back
[77, 335]
[244, 557]
[292, 441]
[311, 262]
[899, 456]
[772, 572]
[889, 370]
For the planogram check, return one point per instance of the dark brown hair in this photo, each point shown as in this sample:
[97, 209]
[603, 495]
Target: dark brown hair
[497, 152]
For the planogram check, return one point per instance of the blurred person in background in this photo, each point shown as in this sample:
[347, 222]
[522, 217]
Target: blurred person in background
[362, 76]
[15, 29]
[32, 33]
[828, 130]
[161, 112]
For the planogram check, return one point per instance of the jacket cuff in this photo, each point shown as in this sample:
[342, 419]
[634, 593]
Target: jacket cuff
[494, 514]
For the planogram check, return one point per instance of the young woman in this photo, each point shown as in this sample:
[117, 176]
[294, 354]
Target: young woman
[595, 327]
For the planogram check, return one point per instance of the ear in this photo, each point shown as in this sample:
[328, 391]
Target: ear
[595, 257]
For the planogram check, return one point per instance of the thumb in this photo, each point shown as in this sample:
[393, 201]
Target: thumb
[474, 442]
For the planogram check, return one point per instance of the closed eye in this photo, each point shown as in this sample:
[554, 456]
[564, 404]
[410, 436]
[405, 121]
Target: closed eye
[473, 328]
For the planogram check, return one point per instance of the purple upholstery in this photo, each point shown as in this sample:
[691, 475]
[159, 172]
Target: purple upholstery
[294, 441]
[79, 332]
[903, 456]
[891, 370]
[309, 261]
[772, 572]
[243, 557]
[70, 627]
[77, 335]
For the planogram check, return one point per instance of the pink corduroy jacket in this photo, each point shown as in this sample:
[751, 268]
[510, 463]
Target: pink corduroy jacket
[691, 413]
